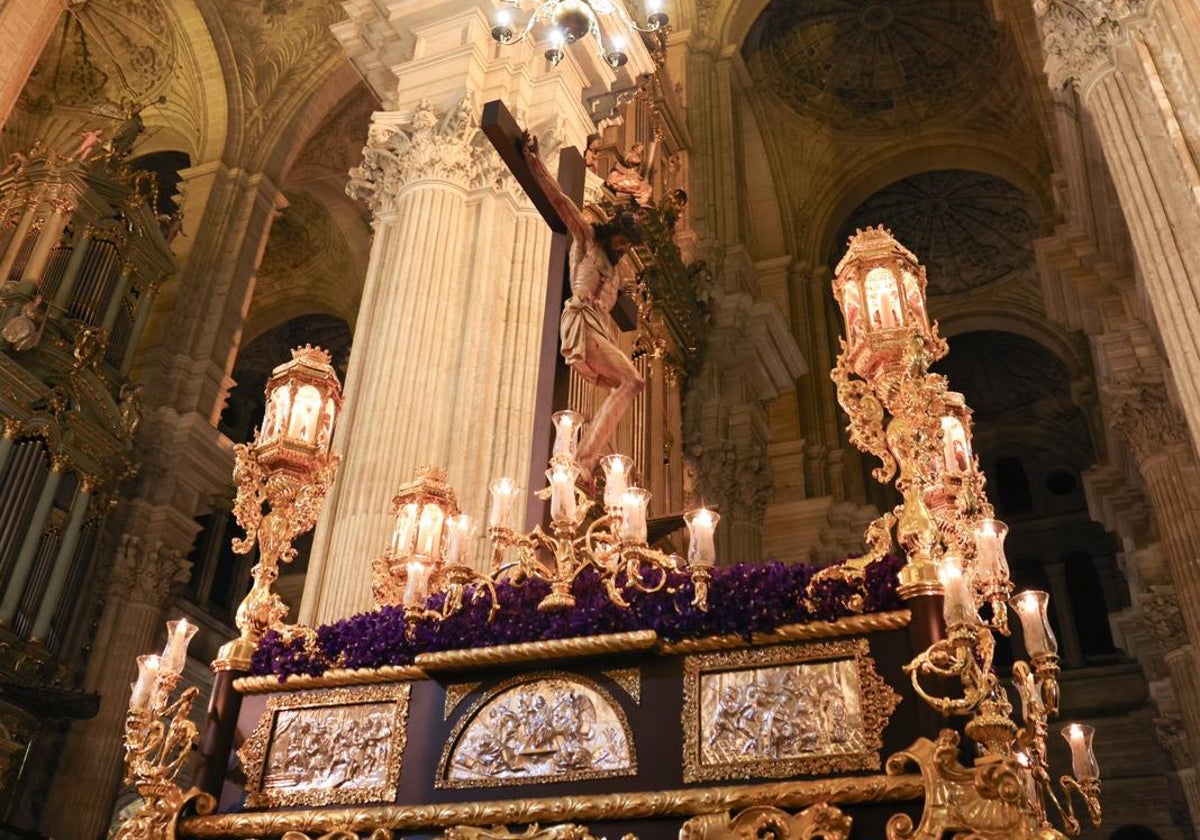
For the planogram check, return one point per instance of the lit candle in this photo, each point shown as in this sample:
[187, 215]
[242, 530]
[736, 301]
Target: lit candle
[405, 530]
[701, 524]
[959, 604]
[504, 494]
[179, 636]
[1031, 697]
[416, 584]
[634, 502]
[1083, 759]
[429, 531]
[1030, 607]
[566, 432]
[990, 562]
[562, 492]
[142, 696]
[458, 535]
[616, 478]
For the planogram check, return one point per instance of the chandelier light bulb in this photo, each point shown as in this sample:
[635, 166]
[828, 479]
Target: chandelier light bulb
[504, 18]
[557, 38]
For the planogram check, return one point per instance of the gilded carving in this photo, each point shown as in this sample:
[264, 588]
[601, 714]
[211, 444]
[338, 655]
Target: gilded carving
[565, 831]
[784, 711]
[455, 694]
[547, 727]
[818, 822]
[630, 679]
[331, 747]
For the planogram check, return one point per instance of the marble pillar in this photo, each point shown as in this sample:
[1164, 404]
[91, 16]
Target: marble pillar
[91, 765]
[25, 26]
[447, 343]
[29, 546]
[63, 560]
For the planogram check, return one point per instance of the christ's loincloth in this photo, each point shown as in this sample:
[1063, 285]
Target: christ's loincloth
[579, 320]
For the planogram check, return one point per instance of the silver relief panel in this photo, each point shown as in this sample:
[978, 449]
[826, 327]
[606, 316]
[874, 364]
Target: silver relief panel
[553, 728]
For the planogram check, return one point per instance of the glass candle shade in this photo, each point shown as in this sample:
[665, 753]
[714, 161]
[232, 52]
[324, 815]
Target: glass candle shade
[1031, 697]
[562, 492]
[305, 418]
[1083, 760]
[616, 478]
[958, 606]
[883, 299]
[458, 538]
[504, 497]
[634, 504]
[566, 432]
[141, 698]
[179, 636]
[1030, 607]
[416, 584]
[429, 531]
[990, 563]
[404, 533]
[701, 525]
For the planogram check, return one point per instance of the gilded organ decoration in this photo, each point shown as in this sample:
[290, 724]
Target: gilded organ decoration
[325, 748]
[784, 711]
[548, 728]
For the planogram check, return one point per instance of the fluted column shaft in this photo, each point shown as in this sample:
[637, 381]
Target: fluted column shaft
[25, 26]
[24, 565]
[1171, 482]
[62, 561]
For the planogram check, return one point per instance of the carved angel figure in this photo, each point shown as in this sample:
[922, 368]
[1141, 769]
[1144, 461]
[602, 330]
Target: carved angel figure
[628, 178]
[16, 162]
[24, 330]
[89, 348]
[131, 411]
[88, 141]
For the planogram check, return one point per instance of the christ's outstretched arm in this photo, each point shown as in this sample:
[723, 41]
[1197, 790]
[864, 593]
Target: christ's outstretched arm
[578, 225]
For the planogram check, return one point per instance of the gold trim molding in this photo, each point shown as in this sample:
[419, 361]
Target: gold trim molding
[849, 626]
[333, 678]
[876, 701]
[338, 708]
[580, 646]
[689, 802]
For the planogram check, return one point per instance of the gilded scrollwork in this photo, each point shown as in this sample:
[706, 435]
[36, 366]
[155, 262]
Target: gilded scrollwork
[784, 711]
[455, 694]
[546, 727]
[818, 822]
[630, 680]
[330, 747]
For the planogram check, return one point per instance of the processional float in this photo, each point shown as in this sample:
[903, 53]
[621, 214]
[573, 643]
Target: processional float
[588, 683]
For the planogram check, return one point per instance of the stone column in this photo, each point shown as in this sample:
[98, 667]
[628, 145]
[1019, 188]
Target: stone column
[37, 523]
[1060, 602]
[52, 229]
[113, 309]
[90, 767]
[1115, 54]
[18, 238]
[62, 562]
[145, 304]
[62, 295]
[25, 26]
[447, 343]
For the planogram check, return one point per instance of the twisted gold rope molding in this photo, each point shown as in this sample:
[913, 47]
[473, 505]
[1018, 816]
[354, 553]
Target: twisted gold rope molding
[613, 806]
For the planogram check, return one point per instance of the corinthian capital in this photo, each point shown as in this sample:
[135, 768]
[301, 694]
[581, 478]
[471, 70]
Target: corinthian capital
[146, 574]
[1146, 418]
[426, 143]
[1078, 35]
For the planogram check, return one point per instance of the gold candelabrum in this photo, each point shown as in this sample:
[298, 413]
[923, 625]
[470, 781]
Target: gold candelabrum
[431, 542]
[159, 739]
[282, 478]
[920, 430]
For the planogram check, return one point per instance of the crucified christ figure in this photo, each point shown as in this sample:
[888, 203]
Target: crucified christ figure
[587, 329]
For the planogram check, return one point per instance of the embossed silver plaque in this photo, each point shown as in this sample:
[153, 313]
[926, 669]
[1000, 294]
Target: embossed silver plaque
[545, 728]
[338, 746]
[784, 711]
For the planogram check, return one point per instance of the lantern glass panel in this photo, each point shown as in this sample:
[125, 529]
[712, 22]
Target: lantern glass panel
[883, 299]
[303, 423]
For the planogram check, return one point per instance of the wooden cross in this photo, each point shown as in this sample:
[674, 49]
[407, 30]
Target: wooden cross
[502, 130]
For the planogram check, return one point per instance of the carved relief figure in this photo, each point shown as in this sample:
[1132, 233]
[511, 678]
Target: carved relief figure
[589, 334]
[131, 412]
[338, 747]
[24, 330]
[627, 176]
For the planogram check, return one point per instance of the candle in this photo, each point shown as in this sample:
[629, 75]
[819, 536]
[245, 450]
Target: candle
[990, 562]
[179, 636]
[562, 492]
[429, 531]
[634, 502]
[1030, 607]
[142, 696]
[616, 478]
[1031, 696]
[566, 433]
[701, 525]
[1083, 759]
[458, 535]
[959, 604]
[504, 494]
[405, 530]
[416, 584]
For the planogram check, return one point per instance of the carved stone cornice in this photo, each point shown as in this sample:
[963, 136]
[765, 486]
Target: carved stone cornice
[1146, 418]
[1078, 36]
[146, 575]
[1160, 611]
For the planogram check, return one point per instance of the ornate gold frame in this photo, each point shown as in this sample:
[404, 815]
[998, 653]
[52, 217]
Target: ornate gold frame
[255, 751]
[878, 701]
[441, 780]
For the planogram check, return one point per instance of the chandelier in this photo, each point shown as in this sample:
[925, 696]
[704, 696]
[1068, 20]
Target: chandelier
[568, 21]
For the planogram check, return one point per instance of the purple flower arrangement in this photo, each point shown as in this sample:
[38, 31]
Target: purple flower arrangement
[743, 600]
